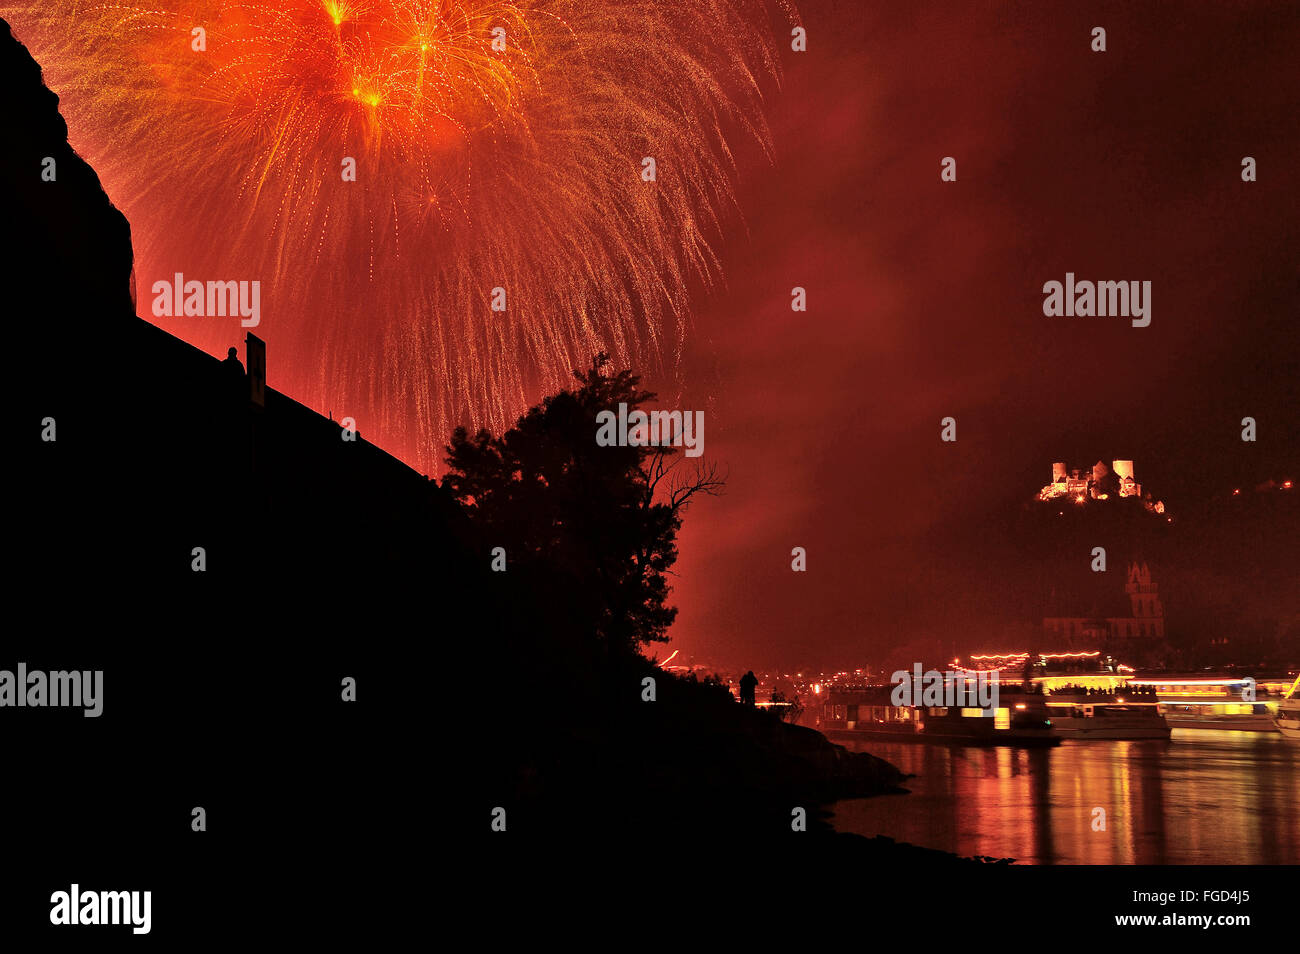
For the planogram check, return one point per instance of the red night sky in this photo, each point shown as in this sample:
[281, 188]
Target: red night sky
[924, 301]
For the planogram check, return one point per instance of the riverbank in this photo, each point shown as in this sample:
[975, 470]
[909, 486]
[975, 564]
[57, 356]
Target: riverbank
[690, 764]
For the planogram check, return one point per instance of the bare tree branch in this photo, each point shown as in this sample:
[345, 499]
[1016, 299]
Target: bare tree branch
[706, 479]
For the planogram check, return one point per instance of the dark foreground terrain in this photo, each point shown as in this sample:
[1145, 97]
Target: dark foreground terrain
[322, 561]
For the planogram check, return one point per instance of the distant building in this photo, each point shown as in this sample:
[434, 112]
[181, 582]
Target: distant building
[1116, 624]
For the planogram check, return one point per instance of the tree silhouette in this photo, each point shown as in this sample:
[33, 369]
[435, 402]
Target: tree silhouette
[591, 530]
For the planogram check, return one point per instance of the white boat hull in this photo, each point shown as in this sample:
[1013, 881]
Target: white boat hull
[1094, 731]
[1241, 723]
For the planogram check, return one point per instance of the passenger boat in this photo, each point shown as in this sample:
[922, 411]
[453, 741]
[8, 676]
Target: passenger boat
[1211, 701]
[1086, 693]
[1099, 717]
[1287, 719]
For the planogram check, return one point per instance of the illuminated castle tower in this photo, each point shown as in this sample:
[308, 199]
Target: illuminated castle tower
[1128, 485]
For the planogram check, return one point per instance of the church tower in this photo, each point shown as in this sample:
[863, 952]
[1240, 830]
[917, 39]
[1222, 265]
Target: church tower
[1148, 611]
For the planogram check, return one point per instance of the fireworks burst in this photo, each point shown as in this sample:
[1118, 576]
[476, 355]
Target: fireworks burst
[496, 145]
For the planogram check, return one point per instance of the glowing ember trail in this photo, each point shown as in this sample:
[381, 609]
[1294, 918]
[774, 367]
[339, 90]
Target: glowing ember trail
[496, 146]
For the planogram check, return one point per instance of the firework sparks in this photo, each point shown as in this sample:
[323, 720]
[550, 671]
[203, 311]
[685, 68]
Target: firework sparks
[495, 146]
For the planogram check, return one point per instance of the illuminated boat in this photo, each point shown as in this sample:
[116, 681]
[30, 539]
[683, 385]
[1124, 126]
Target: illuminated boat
[1116, 717]
[868, 713]
[1210, 701]
[1287, 719]
[1086, 693]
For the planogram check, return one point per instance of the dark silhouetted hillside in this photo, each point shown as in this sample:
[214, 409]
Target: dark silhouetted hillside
[325, 559]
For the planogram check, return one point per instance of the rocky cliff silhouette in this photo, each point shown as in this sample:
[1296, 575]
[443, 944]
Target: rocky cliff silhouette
[69, 233]
[138, 454]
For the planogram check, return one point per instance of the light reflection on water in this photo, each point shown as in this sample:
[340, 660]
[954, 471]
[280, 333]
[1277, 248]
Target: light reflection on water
[1204, 797]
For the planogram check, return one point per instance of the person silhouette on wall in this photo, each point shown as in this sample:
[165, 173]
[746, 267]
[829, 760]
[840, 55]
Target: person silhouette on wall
[233, 371]
[748, 683]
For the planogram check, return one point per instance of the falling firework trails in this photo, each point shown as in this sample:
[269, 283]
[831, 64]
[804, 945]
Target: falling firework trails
[476, 168]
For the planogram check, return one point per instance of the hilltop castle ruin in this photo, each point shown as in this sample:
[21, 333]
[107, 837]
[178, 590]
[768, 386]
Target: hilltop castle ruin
[1097, 483]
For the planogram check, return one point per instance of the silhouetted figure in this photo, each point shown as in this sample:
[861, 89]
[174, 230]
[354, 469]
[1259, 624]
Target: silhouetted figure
[232, 373]
[748, 683]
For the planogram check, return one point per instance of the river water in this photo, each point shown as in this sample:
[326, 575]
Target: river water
[1203, 797]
